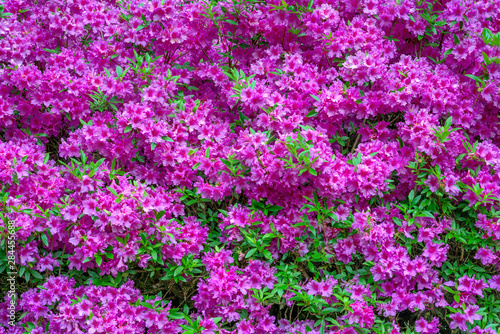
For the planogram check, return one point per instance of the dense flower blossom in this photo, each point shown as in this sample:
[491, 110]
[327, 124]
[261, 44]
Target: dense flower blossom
[250, 166]
[423, 326]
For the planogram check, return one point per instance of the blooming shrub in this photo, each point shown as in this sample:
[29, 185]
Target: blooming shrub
[250, 166]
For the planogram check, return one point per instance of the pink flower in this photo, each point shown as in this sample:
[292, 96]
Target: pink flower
[84, 307]
[471, 313]
[494, 282]
[486, 256]
[47, 263]
[432, 182]
[425, 327]
[361, 314]
[458, 321]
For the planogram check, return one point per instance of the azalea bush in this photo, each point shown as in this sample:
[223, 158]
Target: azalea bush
[250, 166]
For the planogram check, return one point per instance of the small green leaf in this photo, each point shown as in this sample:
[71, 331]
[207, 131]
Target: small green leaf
[36, 274]
[250, 253]
[487, 60]
[178, 270]
[275, 208]
[477, 79]
[56, 50]
[267, 254]
[112, 191]
[167, 139]
[45, 240]
[447, 124]
[316, 98]
[15, 178]
[448, 52]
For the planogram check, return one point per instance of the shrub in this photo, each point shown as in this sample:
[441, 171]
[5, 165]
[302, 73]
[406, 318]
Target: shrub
[250, 166]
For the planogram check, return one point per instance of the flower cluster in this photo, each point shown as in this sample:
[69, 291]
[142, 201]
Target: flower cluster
[251, 166]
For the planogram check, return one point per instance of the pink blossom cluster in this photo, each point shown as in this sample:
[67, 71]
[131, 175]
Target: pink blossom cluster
[93, 309]
[248, 166]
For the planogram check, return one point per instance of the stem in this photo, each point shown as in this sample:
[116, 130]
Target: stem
[355, 143]
[441, 41]
[357, 140]
[207, 56]
[64, 249]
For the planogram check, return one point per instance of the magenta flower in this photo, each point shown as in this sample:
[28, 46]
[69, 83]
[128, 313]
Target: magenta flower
[486, 256]
[458, 321]
[494, 282]
[425, 327]
[433, 183]
[471, 313]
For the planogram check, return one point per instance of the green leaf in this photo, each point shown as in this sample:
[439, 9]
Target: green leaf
[250, 253]
[267, 254]
[312, 113]
[128, 128]
[231, 22]
[45, 240]
[178, 270]
[15, 178]
[174, 314]
[487, 60]
[112, 191]
[36, 274]
[207, 153]
[98, 259]
[316, 98]
[448, 52]
[477, 79]
[56, 50]
[426, 214]
[167, 139]
[447, 124]
[153, 145]
[274, 208]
